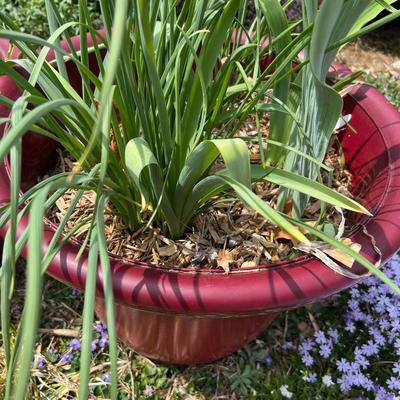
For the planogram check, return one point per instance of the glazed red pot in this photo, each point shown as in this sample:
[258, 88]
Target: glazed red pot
[191, 317]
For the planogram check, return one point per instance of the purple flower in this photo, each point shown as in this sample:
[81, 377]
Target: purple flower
[104, 335]
[311, 378]
[343, 365]
[393, 383]
[368, 384]
[40, 363]
[381, 393]
[369, 332]
[334, 335]
[304, 348]
[352, 379]
[75, 344]
[66, 358]
[307, 345]
[377, 334]
[379, 339]
[396, 324]
[99, 327]
[361, 361]
[358, 315]
[353, 304]
[368, 319]
[354, 292]
[75, 292]
[350, 327]
[320, 337]
[396, 368]
[393, 312]
[325, 350]
[267, 361]
[107, 378]
[370, 349]
[94, 345]
[384, 324]
[103, 342]
[288, 346]
[307, 359]
[344, 384]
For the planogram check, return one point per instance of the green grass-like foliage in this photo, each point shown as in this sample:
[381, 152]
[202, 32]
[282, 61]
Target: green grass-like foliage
[143, 128]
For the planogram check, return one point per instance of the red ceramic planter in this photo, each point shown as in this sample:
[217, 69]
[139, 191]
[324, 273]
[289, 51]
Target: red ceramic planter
[187, 317]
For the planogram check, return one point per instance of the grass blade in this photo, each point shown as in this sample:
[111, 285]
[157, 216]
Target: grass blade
[88, 316]
[31, 314]
[108, 294]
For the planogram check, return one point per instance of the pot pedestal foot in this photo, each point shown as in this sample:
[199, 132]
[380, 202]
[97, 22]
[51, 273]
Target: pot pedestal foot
[183, 339]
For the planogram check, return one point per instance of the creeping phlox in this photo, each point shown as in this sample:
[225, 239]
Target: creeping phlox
[362, 352]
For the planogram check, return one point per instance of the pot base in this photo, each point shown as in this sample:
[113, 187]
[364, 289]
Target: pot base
[183, 339]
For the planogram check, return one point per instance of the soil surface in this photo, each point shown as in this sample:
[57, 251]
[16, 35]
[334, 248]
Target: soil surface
[227, 236]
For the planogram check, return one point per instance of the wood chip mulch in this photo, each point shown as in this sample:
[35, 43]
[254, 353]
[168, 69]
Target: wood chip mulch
[227, 236]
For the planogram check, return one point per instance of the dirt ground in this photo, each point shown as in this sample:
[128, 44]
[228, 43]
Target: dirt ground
[376, 53]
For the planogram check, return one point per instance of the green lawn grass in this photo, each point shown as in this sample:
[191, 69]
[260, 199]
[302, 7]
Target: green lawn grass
[387, 84]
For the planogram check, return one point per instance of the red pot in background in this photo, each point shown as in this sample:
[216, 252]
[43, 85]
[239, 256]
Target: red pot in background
[187, 317]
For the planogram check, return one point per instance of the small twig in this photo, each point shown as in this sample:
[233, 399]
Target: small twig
[61, 332]
[383, 362]
[71, 309]
[286, 326]
[172, 388]
[217, 382]
[313, 321]
[97, 368]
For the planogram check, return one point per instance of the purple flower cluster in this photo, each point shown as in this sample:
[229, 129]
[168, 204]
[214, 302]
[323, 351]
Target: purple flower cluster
[66, 358]
[74, 346]
[100, 342]
[370, 338]
[305, 349]
[40, 363]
